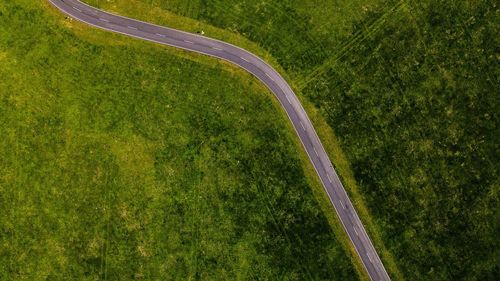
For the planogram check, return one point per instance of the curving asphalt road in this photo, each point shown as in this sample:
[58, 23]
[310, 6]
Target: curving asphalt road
[273, 80]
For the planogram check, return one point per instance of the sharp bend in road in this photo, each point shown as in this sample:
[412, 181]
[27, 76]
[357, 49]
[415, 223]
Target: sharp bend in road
[273, 80]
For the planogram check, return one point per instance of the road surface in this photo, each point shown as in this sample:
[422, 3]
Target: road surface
[273, 80]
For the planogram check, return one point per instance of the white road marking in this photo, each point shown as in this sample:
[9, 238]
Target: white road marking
[104, 20]
[269, 77]
[356, 231]
[131, 27]
[216, 48]
[244, 59]
[288, 99]
[329, 178]
[77, 9]
[315, 151]
[301, 124]
[343, 206]
[189, 42]
[369, 258]
[161, 35]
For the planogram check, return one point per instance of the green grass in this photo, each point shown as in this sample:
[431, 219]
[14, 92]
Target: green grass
[125, 160]
[409, 87]
[416, 107]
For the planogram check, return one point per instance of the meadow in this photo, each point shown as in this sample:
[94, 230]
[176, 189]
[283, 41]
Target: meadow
[410, 91]
[125, 160]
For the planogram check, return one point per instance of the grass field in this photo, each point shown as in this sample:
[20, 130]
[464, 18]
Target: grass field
[125, 160]
[410, 89]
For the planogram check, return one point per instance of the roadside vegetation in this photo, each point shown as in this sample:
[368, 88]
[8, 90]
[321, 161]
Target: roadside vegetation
[122, 160]
[410, 90]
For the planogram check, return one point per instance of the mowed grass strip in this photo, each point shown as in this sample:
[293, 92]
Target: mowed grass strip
[120, 160]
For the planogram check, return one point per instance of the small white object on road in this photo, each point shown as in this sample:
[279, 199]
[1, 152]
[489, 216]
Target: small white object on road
[302, 125]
